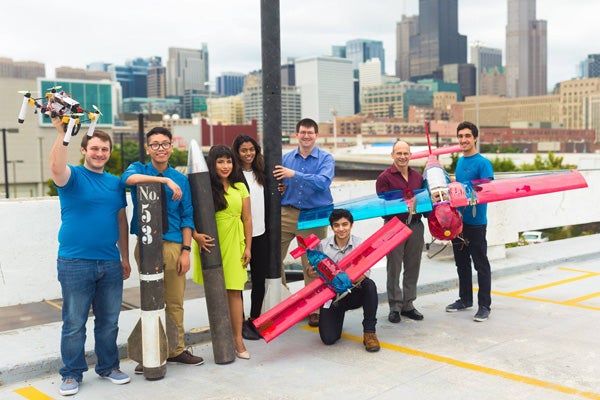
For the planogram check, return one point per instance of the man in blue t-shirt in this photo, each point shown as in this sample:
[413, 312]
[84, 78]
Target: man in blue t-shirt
[472, 243]
[93, 256]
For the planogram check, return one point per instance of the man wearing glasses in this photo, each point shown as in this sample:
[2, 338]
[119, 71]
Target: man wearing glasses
[307, 172]
[177, 237]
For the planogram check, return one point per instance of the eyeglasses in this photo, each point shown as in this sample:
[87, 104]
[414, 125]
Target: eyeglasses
[306, 133]
[156, 146]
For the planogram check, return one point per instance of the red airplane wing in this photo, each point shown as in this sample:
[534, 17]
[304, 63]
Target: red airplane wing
[532, 185]
[436, 152]
[287, 313]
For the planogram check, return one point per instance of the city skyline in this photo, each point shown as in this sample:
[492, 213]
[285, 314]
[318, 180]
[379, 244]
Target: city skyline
[231, 31]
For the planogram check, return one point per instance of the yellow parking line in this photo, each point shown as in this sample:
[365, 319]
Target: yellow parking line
[31, 393]
[552, 284]
[479, 368]
[582, 298]
[53, 304]
[567, 303]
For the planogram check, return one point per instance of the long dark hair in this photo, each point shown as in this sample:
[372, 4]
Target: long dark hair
[258, 164]
[218, 190]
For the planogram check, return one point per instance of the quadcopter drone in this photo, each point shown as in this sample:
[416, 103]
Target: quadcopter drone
[60, 104]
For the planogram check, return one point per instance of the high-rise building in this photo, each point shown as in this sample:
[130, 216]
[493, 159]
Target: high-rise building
[406, 28]
[369, 73]
[187, 69]
[464, 75]
[133, 76]
[230, 83]
[591, 66]
[253, 104]
[437, 42]
[485, 57]
[361, 50]
[526, 51]
[157, 82]
[327, 87]
[288, 73]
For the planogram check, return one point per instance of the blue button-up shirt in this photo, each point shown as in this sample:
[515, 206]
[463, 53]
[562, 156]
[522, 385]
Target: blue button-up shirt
[309, 188]
[180, 213]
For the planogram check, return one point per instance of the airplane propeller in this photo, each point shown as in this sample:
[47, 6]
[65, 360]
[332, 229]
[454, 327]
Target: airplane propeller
[97, 109]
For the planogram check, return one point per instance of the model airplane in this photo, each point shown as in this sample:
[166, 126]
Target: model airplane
[60, 104]
[333, 276]
[287, 313]
[440, 198]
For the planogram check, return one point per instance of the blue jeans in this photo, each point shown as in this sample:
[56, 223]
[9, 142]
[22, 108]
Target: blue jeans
[97, 284]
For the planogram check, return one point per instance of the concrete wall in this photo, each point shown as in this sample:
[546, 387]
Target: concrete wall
[28, 237]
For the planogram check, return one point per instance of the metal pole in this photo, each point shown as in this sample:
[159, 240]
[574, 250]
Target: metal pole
[271, 91]
[142, 153]
[5, 163]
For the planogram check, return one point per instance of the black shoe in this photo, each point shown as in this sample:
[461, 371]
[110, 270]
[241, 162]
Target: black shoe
[139, 369]
[458, 305]
[394, 317]
[412, 314]
[249, 331]
[483, 313]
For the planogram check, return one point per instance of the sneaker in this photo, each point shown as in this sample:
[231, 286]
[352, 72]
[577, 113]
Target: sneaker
[371, 342]
[186, 357]
[483, 313]
[118, 377]
[458, 305]
[69, 386]
[394, 317]
[139, 369]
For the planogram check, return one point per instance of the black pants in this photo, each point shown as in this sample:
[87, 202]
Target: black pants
[258, 272]
[474, 248]
[332, 318]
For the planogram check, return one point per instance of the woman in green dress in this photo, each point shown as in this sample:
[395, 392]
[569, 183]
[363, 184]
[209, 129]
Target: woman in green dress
[234, 226]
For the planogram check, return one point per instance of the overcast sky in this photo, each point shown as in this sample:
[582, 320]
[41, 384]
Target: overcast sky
[74, 34]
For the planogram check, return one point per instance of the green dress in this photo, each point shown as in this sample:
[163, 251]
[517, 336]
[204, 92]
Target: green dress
[231, 240]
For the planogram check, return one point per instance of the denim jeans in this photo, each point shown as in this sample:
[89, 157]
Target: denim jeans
[97, 284]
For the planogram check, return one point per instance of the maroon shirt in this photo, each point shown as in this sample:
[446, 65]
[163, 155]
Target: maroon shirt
[392, 179]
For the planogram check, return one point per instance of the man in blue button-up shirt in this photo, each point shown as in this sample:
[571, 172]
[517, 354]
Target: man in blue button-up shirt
[307, 173]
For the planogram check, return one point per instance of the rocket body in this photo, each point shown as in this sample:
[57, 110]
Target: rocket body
[212, 264]
[153, 336]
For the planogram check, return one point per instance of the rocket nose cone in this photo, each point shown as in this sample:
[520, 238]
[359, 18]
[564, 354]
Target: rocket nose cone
[196, 161]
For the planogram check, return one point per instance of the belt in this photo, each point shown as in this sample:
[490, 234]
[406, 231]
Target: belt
[415, 219]
[295, 208]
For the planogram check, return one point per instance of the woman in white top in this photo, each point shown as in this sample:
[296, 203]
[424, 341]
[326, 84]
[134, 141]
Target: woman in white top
[251, 162]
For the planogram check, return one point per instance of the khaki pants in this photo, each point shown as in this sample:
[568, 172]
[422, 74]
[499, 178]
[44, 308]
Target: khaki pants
[174, 288]
[289, 230]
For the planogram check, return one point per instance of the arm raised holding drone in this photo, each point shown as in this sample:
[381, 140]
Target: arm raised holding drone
[58, 156]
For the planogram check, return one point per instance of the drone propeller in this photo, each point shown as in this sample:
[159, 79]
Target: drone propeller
[26, 91]
[97, 109]
[54, 88]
